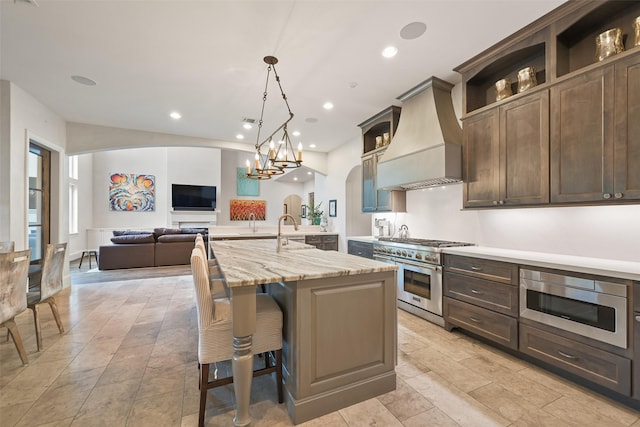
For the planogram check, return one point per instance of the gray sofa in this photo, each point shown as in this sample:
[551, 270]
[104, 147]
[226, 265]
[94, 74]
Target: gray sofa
[134, 249]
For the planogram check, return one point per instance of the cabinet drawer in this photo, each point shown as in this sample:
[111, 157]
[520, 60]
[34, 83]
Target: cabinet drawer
[312, 239]
[331, 238]
[492, 295]
[599, 366]
[362, 249]
[491, 325]
[486, 269]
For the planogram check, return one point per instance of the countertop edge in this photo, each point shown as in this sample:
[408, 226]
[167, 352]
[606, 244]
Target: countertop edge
[598, 266]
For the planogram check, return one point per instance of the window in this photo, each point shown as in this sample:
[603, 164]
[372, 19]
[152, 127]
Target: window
[73, 194]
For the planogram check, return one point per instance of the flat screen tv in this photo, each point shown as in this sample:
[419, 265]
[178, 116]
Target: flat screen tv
[193, 197]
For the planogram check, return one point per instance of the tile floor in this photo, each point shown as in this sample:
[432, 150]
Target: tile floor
[128, 358]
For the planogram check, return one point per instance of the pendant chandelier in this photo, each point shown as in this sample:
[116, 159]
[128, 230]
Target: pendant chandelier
[278, 154]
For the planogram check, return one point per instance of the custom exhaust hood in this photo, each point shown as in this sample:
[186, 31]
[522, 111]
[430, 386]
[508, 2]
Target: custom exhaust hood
[426, 150]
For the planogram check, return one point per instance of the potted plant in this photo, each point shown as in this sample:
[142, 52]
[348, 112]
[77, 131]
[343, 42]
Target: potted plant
[314, 213]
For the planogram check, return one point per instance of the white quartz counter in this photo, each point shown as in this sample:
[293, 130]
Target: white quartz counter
[598, 266]
[254, 262]
[263, 231]
[365, 239]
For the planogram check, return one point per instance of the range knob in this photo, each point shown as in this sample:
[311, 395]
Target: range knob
[398, 252]
[404, 253]
[418, 256]
[389, 250]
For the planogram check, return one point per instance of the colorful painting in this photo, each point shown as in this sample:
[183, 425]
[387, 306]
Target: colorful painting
[132, 192]
[246, 186]
[240, 210]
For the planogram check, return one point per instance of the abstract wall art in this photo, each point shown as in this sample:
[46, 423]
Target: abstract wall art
[246, 186]
[240, 210]
[130, 192]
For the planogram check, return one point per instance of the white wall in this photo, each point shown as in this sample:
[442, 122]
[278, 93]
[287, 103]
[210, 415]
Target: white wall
[272, 191]
[187, 165]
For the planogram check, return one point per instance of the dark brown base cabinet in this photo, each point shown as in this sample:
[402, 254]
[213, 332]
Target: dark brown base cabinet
[326, 242]
[481, 296]
[598, 366]
[572, 139]
[363, 249]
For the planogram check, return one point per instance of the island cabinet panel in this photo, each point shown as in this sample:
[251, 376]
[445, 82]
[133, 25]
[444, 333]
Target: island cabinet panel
[599, 366]
[627, 129]
[339, 341]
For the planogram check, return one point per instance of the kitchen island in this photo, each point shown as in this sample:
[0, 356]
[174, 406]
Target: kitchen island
[340, 325]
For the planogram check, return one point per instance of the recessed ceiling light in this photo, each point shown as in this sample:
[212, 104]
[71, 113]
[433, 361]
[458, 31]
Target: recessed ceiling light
[175, 115]
[247, 126]
[309, 173]
[312, 145]
[239, 136]
[413, 30]
[327, 106]
[295, 133]
[311, 120]
[83, 80]
[389, 51]
[295, 178]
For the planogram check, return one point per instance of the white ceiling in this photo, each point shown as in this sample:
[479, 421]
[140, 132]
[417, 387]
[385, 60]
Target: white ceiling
[204, 59]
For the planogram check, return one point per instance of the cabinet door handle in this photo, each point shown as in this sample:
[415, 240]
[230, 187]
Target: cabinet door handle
[495, 202]
[606, 196]
[618, 195]
[473, 291]
[568, 356]
[473, 319]
[637, 318]
[476, 268]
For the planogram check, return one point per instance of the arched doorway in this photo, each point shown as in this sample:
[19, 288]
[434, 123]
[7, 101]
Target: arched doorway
[292, 206]
[357, 223]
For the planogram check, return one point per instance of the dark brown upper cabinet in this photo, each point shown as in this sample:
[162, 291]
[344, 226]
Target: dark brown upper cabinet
[572, 138]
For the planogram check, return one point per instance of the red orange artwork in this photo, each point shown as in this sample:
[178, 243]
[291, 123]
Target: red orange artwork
[240, 210]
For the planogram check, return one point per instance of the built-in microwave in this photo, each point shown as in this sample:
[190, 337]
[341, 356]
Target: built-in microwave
[588, 307]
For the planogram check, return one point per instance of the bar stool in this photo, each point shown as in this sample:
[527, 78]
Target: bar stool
[89, 253]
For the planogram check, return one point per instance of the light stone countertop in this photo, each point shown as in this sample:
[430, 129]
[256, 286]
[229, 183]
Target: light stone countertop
[255, 262]
[598, 266]
[231, 232]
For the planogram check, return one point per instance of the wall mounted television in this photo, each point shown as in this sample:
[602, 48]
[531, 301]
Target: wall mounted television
[193, 197]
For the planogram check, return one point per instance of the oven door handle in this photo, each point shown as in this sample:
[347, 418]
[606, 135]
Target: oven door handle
[425, 266]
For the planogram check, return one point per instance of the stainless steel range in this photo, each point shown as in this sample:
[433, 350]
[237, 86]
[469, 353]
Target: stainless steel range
[419, 264]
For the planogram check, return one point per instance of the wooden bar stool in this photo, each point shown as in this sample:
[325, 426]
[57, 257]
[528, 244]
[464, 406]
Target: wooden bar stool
[89, 253]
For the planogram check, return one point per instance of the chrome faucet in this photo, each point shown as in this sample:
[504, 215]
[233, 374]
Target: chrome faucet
[252, 216]
[295, 226]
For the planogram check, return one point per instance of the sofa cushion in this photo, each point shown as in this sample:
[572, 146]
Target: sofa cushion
[133, 239]
[157, 232]
[128, 232]
[169, 238]
[202, 231]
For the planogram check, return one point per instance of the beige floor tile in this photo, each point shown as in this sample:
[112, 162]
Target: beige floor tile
[434, 417]
[502, 401]
[55, 404]
[158, 381]
[404, 402]
[458, 405]
[367, 413]
[575, 414]
[333, 419]
[160, 410]
[453, 372]
[11, 414]
[539, 418]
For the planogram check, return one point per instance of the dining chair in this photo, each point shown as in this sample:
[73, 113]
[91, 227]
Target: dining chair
[50, 285]
[7, 247]
[215, 337]
[14, 273]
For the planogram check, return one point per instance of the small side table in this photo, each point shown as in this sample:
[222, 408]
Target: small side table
[89, 253]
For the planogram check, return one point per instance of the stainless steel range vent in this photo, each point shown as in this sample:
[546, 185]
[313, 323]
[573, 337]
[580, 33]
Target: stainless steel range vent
[426, 149]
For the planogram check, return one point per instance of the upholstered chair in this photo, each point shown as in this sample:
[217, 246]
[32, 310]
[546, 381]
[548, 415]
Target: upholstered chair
[50, 285]
[7, 247]
[216, 280]
[14, 273]
[215, 337]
